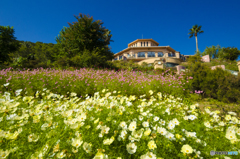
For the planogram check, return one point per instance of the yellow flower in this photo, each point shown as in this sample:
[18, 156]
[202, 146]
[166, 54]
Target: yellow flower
[228, 117]
[147, 132]
[186, 149]
[96, 121]
[99, 155]
[152, 145]
[178, 136]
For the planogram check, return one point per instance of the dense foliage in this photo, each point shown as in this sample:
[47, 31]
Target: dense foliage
[8, 43]
[85, 43]
[217, 84]
[222, 53]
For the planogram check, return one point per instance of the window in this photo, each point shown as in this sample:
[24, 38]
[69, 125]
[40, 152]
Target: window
[120, 57]
[171, 64]
[171, 54]
[151, 54]
[141, 43]
[160, 54]
[115, 58]
[141, 54]
[144, 43]
[147, 43]
[128, 55]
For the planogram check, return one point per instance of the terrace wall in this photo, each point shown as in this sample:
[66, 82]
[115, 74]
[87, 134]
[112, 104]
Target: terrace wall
[238, 63]
[221, 66]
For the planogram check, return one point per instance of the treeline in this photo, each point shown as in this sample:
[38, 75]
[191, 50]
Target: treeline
[222, 53]
[85, 43]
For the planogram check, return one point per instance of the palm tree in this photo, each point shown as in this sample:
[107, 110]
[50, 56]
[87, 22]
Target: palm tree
[194, 31]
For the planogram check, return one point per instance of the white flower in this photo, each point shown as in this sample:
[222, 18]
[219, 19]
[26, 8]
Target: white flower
[137, 134]
[231, 129]
[145, 124]
[123, 125]
[185, 118]
[87, 147]
[132, 126]
[140, 117]
[228, 117]
[32, 138]
[61, 155]
[221, 123]
[131, 148]
[170, 136]
[193, 107]
[100, 155]
[162, 122]
[198, 141]
[171, 125]
[192, 117]
[161, 131]
[207, 124]
[238, 131]
[44, 126]
[150, 92]
[105, 129]
[175, 121]
[108, 141]
[98, 127]
[191, 134]
[5, 85]
[156, 118]
[167, 111]
[76, 142]
[148, 155]
[231, 136]
[232, 113]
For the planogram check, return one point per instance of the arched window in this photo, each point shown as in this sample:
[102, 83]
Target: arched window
[160, 54]
[151, 54]
[141, 54]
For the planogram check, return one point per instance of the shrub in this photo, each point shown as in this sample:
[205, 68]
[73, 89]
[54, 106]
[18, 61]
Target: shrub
[217, 84]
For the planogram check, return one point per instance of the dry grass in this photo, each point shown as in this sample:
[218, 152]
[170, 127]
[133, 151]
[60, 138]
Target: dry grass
[222, 107]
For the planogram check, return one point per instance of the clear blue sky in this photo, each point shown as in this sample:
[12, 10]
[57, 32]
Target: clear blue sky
[168, 22]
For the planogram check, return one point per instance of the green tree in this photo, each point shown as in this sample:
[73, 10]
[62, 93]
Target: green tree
[212, 51]
[82, 38]
[194, 31]
[229, 53]
[194, 59]
[8, 43]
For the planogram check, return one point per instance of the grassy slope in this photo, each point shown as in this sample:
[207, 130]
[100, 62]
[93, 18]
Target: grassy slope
[204, 103]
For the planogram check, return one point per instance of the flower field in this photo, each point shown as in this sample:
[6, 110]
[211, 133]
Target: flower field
[37, 122]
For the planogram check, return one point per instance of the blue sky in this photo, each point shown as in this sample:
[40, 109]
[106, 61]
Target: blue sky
[168, 22]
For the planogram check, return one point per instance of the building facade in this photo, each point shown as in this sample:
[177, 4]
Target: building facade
[147, 50]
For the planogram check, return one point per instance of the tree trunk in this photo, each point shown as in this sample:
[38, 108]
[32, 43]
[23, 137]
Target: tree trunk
[196, 43]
